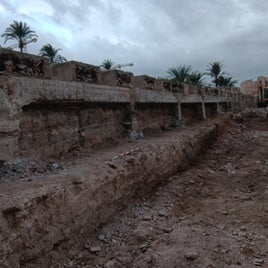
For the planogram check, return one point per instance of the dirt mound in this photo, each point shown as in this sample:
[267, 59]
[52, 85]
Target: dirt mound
[212, 215]
[41, 215]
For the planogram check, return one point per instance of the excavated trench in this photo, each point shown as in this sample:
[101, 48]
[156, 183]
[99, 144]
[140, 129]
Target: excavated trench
[41, 213]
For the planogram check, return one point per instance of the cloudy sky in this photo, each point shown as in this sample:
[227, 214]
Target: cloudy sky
[153, 34]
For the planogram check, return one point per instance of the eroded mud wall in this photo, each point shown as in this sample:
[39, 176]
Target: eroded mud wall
[155, 116]
[212, 109]
[147, 109]
[191, 112]
[102, 123]
[54, 128]
[23, 64]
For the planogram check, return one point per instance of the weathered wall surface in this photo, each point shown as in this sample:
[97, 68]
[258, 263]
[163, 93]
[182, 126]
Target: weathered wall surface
[251, 87]
[43, 116]
[57, 108]
[23, 64]
[190, 110]
[101, 124]
[53, 117]
[155, 116]
[9, 120]
[50, 130]
[53, 129]
[75, 71]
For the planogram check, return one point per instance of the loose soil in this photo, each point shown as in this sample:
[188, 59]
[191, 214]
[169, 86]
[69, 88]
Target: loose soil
[215, 214]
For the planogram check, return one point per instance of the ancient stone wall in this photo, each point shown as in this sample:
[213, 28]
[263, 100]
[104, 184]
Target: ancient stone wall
[53, 129]
[22, 64]
[56, 128]
[155, 116]
[70, 105]
[251, 87]
[54, 117]
[75, 71]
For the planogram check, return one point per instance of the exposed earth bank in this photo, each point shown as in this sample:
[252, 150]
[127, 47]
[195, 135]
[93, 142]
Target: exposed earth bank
[215, 214]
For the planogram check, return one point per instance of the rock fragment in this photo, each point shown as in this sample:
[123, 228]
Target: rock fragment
[191, 255]
[257, 262]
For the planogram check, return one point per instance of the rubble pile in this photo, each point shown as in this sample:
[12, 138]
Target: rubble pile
[21, 168]
[86, 73]
[178, 88]
[149, 82]
[124, 79]
[11, 63]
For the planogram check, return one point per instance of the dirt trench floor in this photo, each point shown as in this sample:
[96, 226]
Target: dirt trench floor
[215, 214]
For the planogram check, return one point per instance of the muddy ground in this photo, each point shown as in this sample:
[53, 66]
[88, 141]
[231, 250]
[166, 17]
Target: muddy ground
[215, 214]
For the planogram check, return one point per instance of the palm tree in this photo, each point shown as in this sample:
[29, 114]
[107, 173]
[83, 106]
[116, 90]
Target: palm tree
[107, 64]
[184, 74]
[226, 81]
[195, 78]
[179, 74]
[215, 70]
[48, 51]
[19, 31]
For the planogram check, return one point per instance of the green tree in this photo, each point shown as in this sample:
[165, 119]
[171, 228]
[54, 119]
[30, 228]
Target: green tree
[48, 51]
[215, 70]
[107, 64]
[195, 78]
[19, 31]
[226, 81]
[179, 74]
[184, 74]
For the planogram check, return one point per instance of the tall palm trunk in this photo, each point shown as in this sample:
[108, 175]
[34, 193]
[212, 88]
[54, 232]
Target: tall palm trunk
[21, 45]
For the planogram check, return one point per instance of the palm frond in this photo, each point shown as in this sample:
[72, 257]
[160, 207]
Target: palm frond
[48, 51]
[19, 31]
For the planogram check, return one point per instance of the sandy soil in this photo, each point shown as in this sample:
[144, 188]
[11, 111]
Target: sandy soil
[215, 214]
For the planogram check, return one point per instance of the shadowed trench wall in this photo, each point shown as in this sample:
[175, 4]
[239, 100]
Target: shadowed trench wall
[53, 128]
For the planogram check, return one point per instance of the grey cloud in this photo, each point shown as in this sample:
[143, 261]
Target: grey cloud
[8, 6]
[157, 34]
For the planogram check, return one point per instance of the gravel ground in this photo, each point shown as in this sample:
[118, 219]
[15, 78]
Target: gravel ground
[215, 214]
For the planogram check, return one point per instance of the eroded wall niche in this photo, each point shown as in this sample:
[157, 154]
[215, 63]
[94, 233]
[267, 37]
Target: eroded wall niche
[55, 128]
[155, 116]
